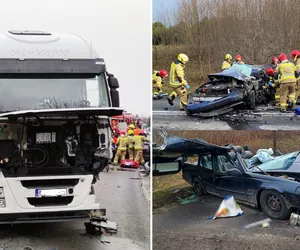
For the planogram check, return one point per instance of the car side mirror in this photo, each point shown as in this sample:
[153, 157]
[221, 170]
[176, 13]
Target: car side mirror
[234, 172]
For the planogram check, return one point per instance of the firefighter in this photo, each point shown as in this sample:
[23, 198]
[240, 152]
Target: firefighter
[274, 61]
[178, 82]
[296, 56]
[287, 74]
[114, 142]
[157, 81]
[131, 127]
[130, 142]
[122, 147]
[239, 59]
[273, 86]
[139, 146]
[227, 63]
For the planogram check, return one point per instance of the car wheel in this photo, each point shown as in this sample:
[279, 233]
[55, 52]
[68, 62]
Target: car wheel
[274, 205]
[197, 186]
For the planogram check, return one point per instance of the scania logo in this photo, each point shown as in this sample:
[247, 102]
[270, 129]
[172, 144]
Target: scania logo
[39, 52]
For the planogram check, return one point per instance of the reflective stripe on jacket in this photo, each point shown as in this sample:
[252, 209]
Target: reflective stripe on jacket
[177, 75]
[286, 71]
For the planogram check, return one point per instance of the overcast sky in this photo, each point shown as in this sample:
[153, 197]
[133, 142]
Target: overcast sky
[119, 29]
[161, 7]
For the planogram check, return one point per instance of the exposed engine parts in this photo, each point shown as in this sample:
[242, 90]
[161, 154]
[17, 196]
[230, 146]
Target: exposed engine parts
[65, 147]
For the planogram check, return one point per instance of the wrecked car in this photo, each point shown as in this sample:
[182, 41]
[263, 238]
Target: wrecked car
[239, 86]
[219, 171]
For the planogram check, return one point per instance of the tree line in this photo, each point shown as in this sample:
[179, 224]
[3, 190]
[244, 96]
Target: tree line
[206, 30]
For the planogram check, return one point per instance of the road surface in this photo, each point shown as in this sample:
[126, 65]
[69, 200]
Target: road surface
[170, 118]
[125, 203]
[187, 227]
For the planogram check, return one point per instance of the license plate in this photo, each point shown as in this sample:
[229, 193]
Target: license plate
[50, 192]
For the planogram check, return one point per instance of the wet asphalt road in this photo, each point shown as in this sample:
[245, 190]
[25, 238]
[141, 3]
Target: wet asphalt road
[125, 203]
[170, 118]
[187, 227]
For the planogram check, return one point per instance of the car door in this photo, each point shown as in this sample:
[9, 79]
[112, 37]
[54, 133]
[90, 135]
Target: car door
[166, 165]
[225, 182]
[207, 174]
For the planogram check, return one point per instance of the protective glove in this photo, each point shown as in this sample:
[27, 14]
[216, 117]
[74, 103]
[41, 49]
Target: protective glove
[187, 86]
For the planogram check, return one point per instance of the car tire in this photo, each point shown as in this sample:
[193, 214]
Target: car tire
[198, 187]
[274, 205]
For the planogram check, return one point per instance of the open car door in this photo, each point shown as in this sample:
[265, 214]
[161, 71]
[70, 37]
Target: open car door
[169, 157]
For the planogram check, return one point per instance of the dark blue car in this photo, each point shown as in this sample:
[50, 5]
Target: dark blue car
[211, 169]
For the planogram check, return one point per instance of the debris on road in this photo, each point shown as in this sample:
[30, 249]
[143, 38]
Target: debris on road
[228, 208]
[264, 223]
[99, 224]
[295, 219]
[192, 198]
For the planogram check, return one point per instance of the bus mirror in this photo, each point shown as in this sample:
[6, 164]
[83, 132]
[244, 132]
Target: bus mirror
[113, 82]
[115, 97]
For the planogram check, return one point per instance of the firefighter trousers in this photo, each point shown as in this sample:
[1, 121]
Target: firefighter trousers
[287, 89]
[182, 93]
[120, 154]
[139, 156]
[130, 153]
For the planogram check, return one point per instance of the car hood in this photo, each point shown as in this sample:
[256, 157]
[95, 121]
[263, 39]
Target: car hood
[176, 146]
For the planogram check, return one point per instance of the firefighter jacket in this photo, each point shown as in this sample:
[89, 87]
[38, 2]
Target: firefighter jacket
[286, 72]
[122, 143]
[177, 75]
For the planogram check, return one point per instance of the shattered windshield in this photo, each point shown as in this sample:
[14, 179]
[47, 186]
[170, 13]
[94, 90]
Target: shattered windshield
[20, 94]
[283, 162]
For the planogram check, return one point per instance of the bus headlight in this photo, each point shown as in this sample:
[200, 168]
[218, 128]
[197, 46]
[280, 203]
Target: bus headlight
[2, 202]
[1, 192]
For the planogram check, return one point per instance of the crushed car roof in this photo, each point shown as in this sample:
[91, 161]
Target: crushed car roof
[177, 145]
[236, 71]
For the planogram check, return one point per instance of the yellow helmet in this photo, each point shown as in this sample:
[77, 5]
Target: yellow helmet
[130, 132]
[228, 57]
[132, 126]
[183, 58]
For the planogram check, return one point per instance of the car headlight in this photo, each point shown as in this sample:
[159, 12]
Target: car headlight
[1, 192]
[2, 202]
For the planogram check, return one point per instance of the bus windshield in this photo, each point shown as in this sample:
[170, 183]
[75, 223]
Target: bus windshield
[26, 94]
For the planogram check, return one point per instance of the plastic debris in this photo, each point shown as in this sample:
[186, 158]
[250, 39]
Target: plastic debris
[264, 223]
[228, 208]
[295, 219]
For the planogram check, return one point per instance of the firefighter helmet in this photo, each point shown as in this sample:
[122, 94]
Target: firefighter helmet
[295, 54]
[283, 57]
[228, 57]
[183, 58]
[238, 58]
[130, 132]
[163, 73]
[274, 59]
[270, 71]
